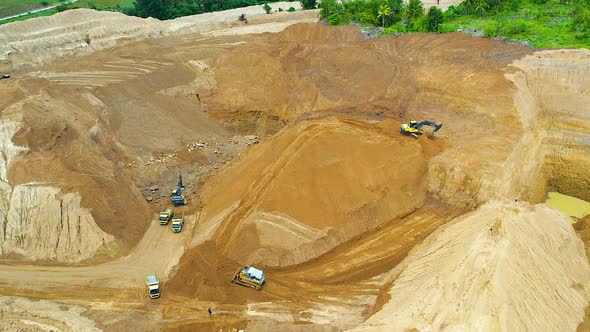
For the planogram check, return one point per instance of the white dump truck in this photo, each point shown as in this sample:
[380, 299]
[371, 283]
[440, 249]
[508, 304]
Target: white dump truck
[177, 224]
[153, 286]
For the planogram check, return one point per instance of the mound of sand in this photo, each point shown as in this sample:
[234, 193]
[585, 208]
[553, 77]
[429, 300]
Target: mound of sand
[314, 186]
[506, 266]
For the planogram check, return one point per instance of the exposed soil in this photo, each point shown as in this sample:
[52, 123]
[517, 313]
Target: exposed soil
[290, 149]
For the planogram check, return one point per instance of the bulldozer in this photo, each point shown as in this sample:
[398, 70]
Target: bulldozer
[250, 277]
[413, 128]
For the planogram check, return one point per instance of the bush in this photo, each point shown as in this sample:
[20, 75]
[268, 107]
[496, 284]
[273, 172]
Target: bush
[415, 9]
[446, 28]
[62, 8]
[418, 24]
[327, 8]
[44, 3]
[450, 13]
[128, 10]
[280, 9]
[308, 4]
[513, 27]
[581, 21]
[490, 29]
[267, 8]
[335, 19]
[395, 29]
[291, 9]
[434, 19]
[91, 4]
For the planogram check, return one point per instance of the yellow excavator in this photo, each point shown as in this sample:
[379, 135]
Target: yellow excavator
[413, 128]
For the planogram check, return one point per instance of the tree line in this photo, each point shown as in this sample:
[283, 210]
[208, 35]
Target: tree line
[412, 16]
[169, 9]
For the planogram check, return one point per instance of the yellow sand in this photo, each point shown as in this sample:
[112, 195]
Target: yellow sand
[571, 206]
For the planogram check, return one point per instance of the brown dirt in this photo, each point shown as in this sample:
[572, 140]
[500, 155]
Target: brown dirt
[329, 203]
[285, 180]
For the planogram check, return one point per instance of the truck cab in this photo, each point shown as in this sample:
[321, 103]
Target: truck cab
[165, 216]
[153, 286]
[177, 224]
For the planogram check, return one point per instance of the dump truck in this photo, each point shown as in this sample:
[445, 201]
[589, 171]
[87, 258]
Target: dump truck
[153, 286]
[177, 224]
[250, 277]
[165, 216]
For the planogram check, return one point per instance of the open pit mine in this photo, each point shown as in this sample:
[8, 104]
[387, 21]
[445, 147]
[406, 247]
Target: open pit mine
[281, 141]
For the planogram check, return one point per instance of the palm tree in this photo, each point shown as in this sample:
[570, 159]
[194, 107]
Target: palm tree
[468, 5]
[481, 6]
[384, 11]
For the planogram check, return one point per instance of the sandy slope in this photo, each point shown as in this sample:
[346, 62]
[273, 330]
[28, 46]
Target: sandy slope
[283, 208]
[506, 266]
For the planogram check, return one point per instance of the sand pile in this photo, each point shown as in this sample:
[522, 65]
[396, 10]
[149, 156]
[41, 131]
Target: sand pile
[64, 194]
[314, 186]
[37, 221]
[506, 266]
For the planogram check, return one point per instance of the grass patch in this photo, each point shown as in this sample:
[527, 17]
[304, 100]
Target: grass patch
[540, 25]
[32, 15]
[14, 7]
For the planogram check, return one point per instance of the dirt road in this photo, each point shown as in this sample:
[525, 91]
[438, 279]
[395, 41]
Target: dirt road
[158, 252]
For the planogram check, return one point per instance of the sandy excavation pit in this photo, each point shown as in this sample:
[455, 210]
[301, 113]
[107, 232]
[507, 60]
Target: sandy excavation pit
[290, 147]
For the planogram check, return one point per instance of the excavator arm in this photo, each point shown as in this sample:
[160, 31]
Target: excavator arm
[418, 125]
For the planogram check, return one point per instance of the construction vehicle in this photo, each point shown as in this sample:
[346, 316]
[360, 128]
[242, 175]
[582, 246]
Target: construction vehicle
[4, 77]
[250, 277]
[153, 286]
[165, 216]
[177, 224]
[413, 128]
[177, 196]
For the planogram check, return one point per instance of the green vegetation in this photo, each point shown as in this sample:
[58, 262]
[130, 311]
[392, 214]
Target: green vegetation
[540, 23]
[308, 4]
[267, 8]
[14, 7]
[32, 15]
[161, 9]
